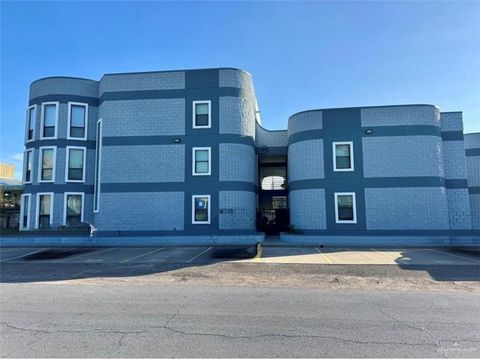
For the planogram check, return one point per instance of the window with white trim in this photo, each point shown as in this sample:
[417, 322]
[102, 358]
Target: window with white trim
[73, 209]
[49, 120]
[343, 156]
[31, 123]
[25, 211]
[98, 157]
[77, 120]
[46, 168]
[202, 114]
[201, 160]
[75, 167]
[28, 164]
[345, 208]
[44, 210]
[201, 209]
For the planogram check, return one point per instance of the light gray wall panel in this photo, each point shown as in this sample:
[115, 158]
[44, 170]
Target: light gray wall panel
[306, 160]
[237, 210]
[307, 209]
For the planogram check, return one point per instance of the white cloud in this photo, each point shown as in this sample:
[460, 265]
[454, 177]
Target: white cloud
[17, 157]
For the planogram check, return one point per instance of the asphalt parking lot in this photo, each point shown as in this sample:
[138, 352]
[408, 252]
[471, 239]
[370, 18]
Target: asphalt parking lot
[206, 255]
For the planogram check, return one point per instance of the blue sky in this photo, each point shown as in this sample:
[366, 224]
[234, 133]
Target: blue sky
[302, 55]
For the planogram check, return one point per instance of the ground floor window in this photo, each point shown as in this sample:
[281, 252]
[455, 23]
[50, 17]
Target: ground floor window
[25, 212]
[345, 208]
[201, 209]
[44, 210]
[73, 213]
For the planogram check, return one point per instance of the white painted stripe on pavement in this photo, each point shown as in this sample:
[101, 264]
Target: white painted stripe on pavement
[30, 253]
[196, 256]
[458, 256]
[139, 256]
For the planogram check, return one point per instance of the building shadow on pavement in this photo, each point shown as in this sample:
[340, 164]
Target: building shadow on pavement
[441, 266]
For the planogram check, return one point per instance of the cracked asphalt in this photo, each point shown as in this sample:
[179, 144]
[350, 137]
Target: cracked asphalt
[237, 309]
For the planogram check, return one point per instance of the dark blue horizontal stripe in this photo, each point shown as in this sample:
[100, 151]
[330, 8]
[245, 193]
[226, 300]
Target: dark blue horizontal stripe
[432, 232]
[456, 183]
[61, 143]
[407, 130]
[170, 94]
[272, 150]
[473, 152]
[386, 182]
[64, 98]
[201, 187]
[169, 140]
[57, 188]
[196, 232]
[452, 135]
[474, 190]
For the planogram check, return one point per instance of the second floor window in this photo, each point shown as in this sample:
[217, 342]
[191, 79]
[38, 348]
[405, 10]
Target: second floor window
[343, 156]
[49, 120]
[77, 121]
[47, 164]
[201, 161]
[201, 114]
[75, 164]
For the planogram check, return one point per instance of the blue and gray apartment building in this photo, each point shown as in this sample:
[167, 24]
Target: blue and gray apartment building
[182, 154]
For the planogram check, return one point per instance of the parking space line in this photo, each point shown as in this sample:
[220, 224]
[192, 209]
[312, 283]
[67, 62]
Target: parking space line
[459, 256]
[75, 257]
[198, 255]
[324, 256]
[389, 256]
[139, 256]
[20, 256]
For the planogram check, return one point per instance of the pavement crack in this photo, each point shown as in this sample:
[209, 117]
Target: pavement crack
[437, 341]
[60, 331]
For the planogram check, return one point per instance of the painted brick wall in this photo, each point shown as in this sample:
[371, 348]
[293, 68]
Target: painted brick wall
[310, 120]
[143, 117]
[140, 211]
[237, 115]
[392, 156]
[264, 137]
[143, 163]
[306, 160]
[473, 165]
[451, 121]
[237, 210]
[237, 163]
[459, 209]
[406, 209]
[455, 162]
[475, 209]
[472, 141]
[401, 115]
[237, 79]
[142, 81]
[307, 209]
[58, 85]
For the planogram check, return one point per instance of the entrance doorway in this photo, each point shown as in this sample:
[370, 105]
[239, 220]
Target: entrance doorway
[273, 215]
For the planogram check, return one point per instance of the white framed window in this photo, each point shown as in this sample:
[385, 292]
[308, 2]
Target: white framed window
[201, 209]
[28, 166]
[46, 163]
[343, 156]
[345, 208]
[73, 205]
[26, 205]
[202, 114]
[75, 163]
[201, 160]
[77, 121]
[49, 120]
[30, 126]
[43, 216]
[98, 158]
